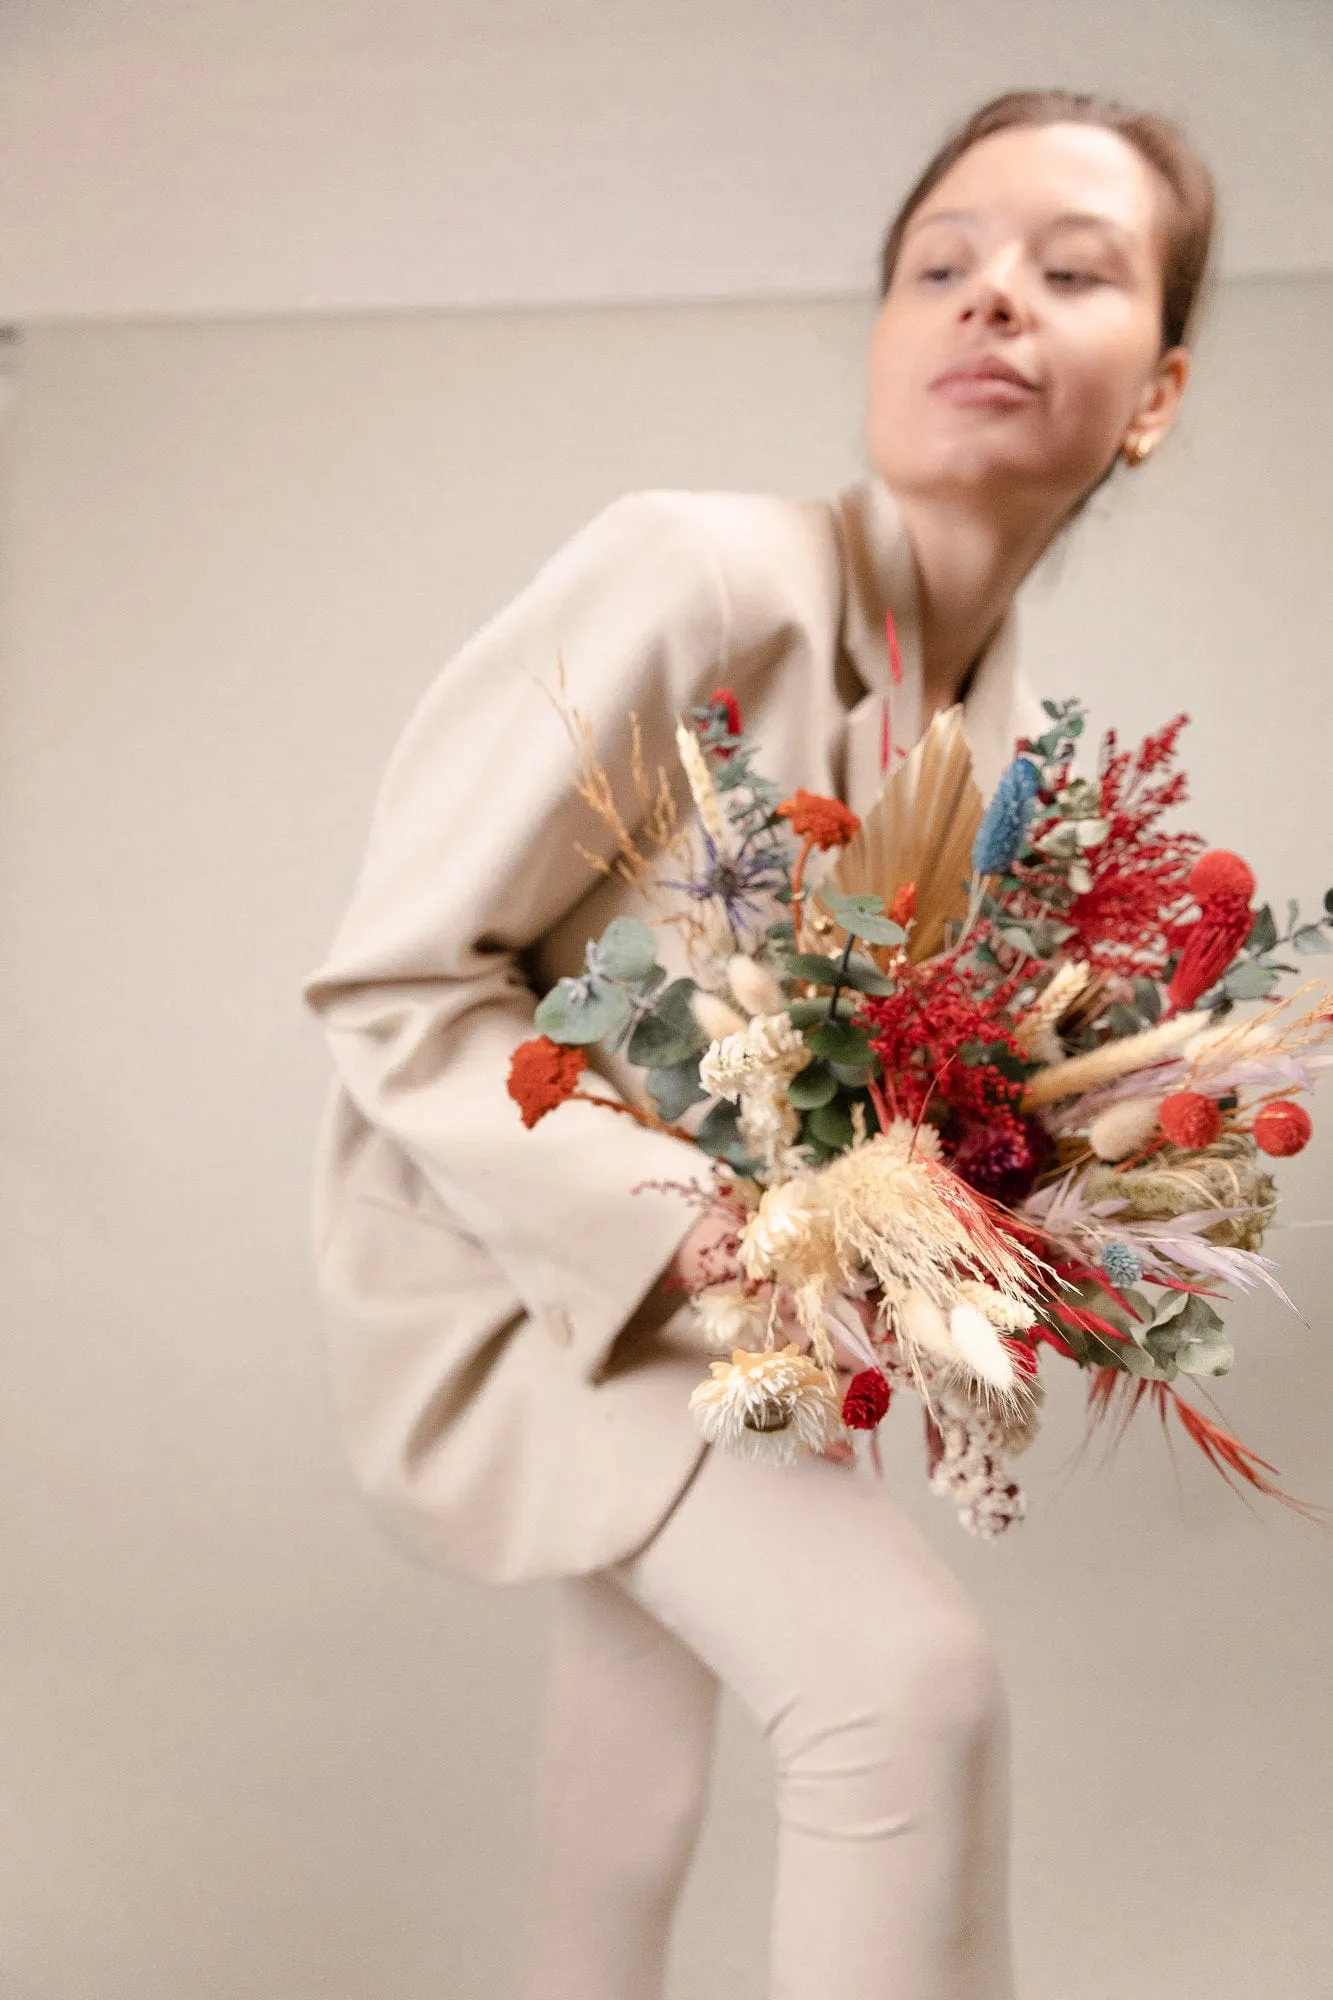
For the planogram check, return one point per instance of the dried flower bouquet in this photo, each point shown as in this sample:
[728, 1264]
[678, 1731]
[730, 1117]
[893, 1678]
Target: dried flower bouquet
[979, 1092]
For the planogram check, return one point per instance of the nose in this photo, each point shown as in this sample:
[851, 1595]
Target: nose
[993, 298]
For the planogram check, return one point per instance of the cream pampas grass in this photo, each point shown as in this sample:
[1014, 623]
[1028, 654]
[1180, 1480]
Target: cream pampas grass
[1124, 1127]
[774, 1404]
[716, 1016]
[754, 987]
[1112, 1060]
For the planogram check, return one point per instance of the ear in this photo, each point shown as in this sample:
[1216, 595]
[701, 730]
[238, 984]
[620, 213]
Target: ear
[1155, 410]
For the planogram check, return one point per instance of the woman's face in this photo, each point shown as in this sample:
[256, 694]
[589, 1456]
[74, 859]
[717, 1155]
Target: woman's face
[1040, 248]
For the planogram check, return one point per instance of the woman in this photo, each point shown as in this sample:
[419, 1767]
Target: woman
[508, 1344]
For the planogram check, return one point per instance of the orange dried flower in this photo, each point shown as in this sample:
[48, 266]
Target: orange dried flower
[542, 1074]
[903, 907]
[827, 822]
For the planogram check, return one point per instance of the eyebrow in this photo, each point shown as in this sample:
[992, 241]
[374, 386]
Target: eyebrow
[1073, 217]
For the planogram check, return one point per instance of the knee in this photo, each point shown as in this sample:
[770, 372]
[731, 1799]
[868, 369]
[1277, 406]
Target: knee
[945, 1677]
[928, 1677]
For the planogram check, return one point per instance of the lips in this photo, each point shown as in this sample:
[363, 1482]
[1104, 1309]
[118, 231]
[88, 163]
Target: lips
[983, 368]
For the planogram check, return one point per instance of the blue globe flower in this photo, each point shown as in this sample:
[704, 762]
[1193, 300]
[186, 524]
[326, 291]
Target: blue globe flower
[1121, 1264]
[1006, 818]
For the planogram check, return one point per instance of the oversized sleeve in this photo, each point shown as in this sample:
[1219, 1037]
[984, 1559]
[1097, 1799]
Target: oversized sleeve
[471, 857]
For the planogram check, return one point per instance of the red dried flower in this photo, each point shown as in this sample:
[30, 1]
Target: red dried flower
[1189, 1119]
[922, 1033]
[866, 1400]
[1223, 925]
[1220, 873]
[543, 1074]
[1124, 920]
[1282, 1128]
[827, 822]
[1022, 1353]
[724, 698]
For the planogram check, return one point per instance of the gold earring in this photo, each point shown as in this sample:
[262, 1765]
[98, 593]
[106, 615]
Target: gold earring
[1135, 450]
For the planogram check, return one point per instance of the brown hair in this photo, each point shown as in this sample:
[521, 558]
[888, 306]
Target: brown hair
[1190, 210]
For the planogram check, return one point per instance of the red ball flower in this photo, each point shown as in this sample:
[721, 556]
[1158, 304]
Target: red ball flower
[866, 1399]
[1220, 873]
[1282, 1128]
[1189, 1119]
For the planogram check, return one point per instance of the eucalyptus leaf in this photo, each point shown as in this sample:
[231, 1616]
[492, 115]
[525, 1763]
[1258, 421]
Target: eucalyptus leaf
[1148, 999]
[669, 1034]
[854, 1075]
[582, 1011]
[1139, 1361]
[831, 1124]
[626, 950]
[1263, 931]
[1311, 938]
[676, 1088]
[840, 1041]
[864, 916]
[1248, 981]
[1122, 1020]
[1211, 1354]
[809, 1013]
[859, 973]
[812, 1086]
[719, 1135]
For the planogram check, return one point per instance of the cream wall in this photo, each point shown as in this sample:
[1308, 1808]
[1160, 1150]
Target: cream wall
[246, 156]
[250, 1751]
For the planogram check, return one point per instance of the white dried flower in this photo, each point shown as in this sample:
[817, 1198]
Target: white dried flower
[730, 1317]
[772, 1404]
[768, 1047]
[788, 1232]
[904, 1140]
[754, 987]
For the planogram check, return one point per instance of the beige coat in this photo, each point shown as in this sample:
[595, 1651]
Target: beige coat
[510, 1380]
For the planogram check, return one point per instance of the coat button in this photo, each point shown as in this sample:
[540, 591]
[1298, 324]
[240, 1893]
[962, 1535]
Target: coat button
[559, 1325]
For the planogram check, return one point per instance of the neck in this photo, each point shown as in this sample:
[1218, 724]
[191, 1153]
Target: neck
[969, 565]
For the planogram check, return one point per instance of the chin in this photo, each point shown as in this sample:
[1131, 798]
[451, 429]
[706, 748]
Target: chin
[957, 468]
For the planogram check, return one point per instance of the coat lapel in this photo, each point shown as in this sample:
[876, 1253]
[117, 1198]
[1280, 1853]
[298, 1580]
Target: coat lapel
[880, 573]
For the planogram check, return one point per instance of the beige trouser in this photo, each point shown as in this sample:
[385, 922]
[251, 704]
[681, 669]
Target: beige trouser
[803, 1590]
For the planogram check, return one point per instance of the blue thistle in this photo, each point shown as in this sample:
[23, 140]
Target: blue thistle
[1121, 1264]
[1005, 820]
